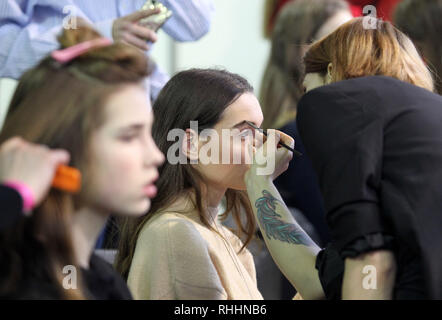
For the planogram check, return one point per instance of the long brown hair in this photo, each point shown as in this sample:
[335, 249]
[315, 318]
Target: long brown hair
[192, 95]
[421, 21]
[60, 106]
[296, 27]
[356, 51]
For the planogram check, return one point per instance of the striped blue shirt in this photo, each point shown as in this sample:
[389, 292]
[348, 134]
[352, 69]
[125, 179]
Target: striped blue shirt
[28, 28]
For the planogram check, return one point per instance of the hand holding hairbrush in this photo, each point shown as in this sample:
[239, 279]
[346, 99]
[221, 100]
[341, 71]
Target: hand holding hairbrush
[67, 179]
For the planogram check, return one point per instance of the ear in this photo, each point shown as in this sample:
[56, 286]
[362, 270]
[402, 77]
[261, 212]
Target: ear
[190, 145]
[329, 72]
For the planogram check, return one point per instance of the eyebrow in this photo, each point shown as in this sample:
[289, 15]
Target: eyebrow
[242, 123]
[137, 126]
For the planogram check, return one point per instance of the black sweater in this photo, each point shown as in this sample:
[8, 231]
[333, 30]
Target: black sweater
[102, 281]
[376, 146]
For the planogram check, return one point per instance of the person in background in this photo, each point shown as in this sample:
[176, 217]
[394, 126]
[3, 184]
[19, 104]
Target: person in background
[421, 21]
[271, 11]
[297, 25]
[384, 8]
[86, 98]
[300, 23]
[28, 29]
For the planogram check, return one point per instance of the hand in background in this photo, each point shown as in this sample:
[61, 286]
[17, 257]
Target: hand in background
[127, 29]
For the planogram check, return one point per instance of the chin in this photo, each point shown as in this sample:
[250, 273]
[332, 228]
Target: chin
[136, 210]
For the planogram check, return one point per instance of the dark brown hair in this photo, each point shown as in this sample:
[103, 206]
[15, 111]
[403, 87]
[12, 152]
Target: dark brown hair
[421, 21]
[193, 95]
[60, 106]
[296, 27]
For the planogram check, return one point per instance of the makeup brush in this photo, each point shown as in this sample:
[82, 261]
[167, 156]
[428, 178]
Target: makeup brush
[264, 132]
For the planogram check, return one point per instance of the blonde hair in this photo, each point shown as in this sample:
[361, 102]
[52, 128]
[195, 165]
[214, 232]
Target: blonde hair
[356, 51]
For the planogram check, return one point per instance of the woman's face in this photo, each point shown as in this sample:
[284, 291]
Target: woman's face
[123, 156]
[236, 147]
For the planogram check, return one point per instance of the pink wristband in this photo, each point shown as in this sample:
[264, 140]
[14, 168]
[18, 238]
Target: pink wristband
[25, 192]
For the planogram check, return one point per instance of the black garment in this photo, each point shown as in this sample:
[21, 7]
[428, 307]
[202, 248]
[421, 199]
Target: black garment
[299, 188]
[102, 282]
[376, 145]
[11, 207]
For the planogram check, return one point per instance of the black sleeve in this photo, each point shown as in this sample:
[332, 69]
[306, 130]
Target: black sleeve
[103, 281]
[344, 139]
[330, 268]
[331, 264]
[11, 205]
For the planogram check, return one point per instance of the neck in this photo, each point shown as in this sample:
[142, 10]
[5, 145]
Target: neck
[213, 196]
[87, 225]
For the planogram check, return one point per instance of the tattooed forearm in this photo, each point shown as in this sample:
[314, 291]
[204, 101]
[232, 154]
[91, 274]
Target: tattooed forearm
[276, 228]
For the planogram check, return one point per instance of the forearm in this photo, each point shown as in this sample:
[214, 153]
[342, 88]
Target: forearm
[292, 249]
[369, 276]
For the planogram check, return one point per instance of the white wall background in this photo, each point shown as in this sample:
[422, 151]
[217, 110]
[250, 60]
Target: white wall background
[234, 42]
[7, 87]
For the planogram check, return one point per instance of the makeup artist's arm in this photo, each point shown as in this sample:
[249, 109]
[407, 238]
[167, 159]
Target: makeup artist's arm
[292, 249]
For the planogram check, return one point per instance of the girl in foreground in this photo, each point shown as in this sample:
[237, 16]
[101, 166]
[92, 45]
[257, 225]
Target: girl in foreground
[89, 102]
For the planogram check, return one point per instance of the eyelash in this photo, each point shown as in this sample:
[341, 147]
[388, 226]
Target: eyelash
[129, 137]
[245, 134]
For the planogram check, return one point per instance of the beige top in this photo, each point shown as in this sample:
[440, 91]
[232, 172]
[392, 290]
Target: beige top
[177, 257]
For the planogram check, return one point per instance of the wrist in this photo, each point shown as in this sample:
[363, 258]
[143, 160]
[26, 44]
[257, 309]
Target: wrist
[25, 192]
[251, 178]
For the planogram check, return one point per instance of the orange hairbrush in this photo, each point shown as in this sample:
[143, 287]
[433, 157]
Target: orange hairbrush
[67, 179]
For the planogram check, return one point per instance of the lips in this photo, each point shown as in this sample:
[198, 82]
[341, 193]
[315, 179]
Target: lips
[150, 190]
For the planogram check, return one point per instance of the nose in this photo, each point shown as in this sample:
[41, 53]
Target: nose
[153, 155]
[158, 156]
